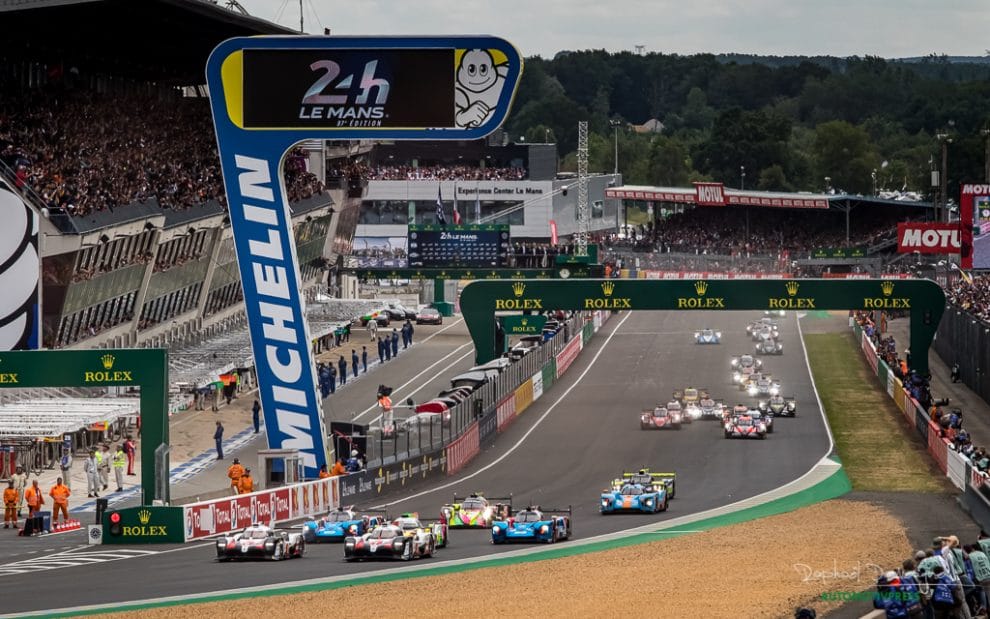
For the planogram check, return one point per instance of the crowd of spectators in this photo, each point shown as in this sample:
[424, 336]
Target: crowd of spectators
[80, 151]
[436, 173]
[724, 231]
[972, 296]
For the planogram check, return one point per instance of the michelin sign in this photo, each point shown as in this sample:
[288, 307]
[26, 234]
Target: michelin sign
[268, 93]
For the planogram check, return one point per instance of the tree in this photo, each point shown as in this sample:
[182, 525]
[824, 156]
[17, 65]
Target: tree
[756, 140]
[669, 164]
[773, 179]
[844, 153]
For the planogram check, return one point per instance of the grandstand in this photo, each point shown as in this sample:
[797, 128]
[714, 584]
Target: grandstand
[107, 143]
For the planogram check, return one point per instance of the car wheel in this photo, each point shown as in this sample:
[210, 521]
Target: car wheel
[407, 551]
[301, 548]
[279, 552]
[728, 434]
[429, 549]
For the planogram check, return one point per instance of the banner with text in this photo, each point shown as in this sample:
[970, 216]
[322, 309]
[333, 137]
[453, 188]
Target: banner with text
[926, 238]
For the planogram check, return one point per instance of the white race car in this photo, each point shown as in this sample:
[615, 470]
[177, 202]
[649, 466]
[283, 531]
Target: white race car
[260, 541]
[708, 336]
[770, 346]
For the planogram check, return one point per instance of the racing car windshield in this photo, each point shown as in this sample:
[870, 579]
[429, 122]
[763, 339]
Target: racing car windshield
[383, 533]
[641, 479]
[744, 421]
[256, 534]
[528, 517]
[473, 504]
[631, 489]
[746, 360]
[690, 393]
[674, 406]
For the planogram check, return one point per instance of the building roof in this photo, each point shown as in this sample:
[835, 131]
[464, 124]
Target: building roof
[739, 197]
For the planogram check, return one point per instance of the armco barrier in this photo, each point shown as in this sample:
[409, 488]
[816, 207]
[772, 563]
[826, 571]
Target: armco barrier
[869, 351]
[487, 427]
[937, 447]
[549, 374]
[956, 468]
[524, 396]
[460, 452]
[567, 356]
[366, 485]
[506, 411]
[208, 518]
[921, 423]
[537, 382]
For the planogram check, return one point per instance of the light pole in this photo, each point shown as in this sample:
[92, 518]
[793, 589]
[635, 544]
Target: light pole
[742, 177]
[944, 137]
[615, 124]
[986, 156]
[873, 175]
[828, 184]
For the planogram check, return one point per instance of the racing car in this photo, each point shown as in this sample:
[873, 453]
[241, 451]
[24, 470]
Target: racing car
[413, 526]
[690, 395]
[533, 524]
[708, 336]
[763, 385]
[745, 426]
[475, 511]
[674, 408]
[710, 408]
[755, 328]
[779, 406]
[260, 541]
[647, 479]
[389, 541]
[743, 365]
[770, 346]
[660, 419]
[342, 522]
[766, 418]
[632, 497]
[766, 332]
[778, 313]
[692, 411]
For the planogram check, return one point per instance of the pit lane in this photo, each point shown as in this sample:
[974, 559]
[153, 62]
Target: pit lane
[590, 434]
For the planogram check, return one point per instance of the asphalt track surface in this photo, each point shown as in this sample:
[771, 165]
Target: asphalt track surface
[562, 451]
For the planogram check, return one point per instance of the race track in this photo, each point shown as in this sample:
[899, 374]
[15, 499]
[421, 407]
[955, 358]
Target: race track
[590, 434]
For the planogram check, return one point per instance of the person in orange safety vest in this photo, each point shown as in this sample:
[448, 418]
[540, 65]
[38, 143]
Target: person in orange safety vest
[10, 498]
[60, 496]
[34, 498]
[235, 472]
[245, 484]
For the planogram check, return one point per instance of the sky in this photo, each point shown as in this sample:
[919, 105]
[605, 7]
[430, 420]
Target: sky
[887, 28]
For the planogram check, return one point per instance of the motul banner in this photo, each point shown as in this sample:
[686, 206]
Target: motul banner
[929, 238]
[709, 194]
[233, 513]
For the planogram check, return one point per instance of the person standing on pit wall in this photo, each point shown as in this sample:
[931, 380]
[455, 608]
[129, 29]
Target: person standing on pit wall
[235, 472]
[92, 470]
[10, 506]
[395, 343]
[256, 416]
[119, 461]
[218, 438]
[412, 330]
[388, 347]
[105, 458]
[342, 370]
[404, 332]
[20, 485]
[373, 328]
[381, 352]
[354, 362]
[60, 496]
[364, 358]
[332, 377]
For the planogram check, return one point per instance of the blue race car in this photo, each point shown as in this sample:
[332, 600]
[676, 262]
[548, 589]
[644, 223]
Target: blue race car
[708, 336]
[635, 498]
[341, 523]
[533, 524]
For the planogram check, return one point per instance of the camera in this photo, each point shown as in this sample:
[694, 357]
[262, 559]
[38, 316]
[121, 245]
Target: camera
[941, 402]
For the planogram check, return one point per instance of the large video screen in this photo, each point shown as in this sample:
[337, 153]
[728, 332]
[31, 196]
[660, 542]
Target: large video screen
[380, 252]
[472, 246]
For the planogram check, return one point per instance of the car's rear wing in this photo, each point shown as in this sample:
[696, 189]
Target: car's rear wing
[555, 511]
[370, 512]
[490, 499]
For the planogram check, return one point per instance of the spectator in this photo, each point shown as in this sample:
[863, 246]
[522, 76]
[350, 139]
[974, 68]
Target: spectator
[324, 473]
[354, 462]
[338, 468]
[256, 416]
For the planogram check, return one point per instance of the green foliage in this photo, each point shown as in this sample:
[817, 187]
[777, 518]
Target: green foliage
[790, 121]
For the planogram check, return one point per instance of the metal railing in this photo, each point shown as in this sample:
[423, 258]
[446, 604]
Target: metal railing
[411, 440]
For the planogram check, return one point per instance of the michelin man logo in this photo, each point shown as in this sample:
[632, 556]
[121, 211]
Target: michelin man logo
[480, 79]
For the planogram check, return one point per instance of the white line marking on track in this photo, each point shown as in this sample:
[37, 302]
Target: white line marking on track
[814, 388]
[536, 425]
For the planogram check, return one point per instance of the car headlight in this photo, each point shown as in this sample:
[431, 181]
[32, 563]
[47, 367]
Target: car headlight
[774, 390]
[604, 502]
[718, 334]
[649, 501]
[728, 426]
[752, 390]
[544, 529]
[697, 335]
[496, 529]
[352, 528]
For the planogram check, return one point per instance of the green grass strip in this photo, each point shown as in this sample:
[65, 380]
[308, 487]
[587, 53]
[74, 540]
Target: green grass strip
[833, 486]
[878, 450]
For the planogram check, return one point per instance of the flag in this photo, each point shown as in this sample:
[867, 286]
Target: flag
[553, 232]
[966, 277]
[440, 218]
[477, 206]
[457, 216]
